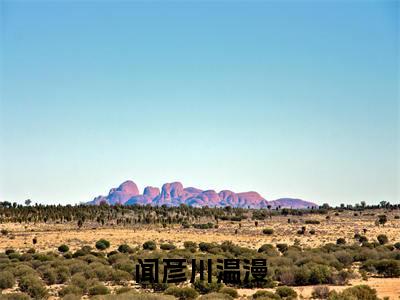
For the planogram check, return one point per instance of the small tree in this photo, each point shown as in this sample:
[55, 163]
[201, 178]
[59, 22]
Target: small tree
[63, 248]
[382, 239]
[149, 245]
[124, 248]
[382, 219]
[102, 244]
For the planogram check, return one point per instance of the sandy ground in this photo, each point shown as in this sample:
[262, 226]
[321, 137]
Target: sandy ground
[50, 236]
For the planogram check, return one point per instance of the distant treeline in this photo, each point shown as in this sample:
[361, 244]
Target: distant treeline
[135, 214]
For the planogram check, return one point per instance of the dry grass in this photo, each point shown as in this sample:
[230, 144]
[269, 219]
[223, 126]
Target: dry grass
[50, 236]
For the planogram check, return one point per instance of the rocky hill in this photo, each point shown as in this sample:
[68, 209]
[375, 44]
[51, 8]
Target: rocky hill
[174, 194]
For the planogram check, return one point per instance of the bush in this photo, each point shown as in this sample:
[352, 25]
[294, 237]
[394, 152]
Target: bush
[282, 247]
[48, 274]
[182, 293]
[15, 296]
[167, 246]
[124, 248]
[265, 295]
[204, 226]
[102, 244]
[359, 292]
[286, 292]
[397, 245]
[204, 287]
[191, 246]
[63, 248]
[119, 276]
[229, 291]
[70, 289]
[268, 231]
[7, 280]
[320, 292]
[33, 286]
[215, 296]
[320, 274]
[268, 249]
[79, 280]
[209, 247]
[149, 245]
[340, 241]
[382, 239]
[98, 289]
[315, 222]
[387, 267]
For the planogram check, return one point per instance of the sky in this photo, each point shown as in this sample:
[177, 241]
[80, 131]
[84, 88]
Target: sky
[286, 98]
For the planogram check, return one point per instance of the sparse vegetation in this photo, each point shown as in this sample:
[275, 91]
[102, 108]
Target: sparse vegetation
[105, 267]
[268, 231]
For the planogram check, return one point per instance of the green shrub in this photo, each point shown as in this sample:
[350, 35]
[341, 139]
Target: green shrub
[9, 251]
[15, 296]
[98, 289]
[229, 291]
[167, 246]
[215, 296]
[268, 249]
[340, 241]
[182, 293]
[70, 289]
[33, 286]
[49, 275]
[149, 245]
[7, 280]
[344, 257]
[320, 292]
[63, 248]
[79, 280]
[282, 247]
[208, 225]
[286, 292]
[382, 239]
[315, 222]
[397, 245]
[119, 276]
[102, 244]
[359, 292]
[388, 267]
[320, 274]
[63, 274]
[191, 246]
[268, 231]
[124, 248]
[124, 290]
[265, 295]
[71, 297]
[204, 287]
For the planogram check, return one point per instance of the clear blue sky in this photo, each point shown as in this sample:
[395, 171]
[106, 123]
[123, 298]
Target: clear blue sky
[290, 99]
